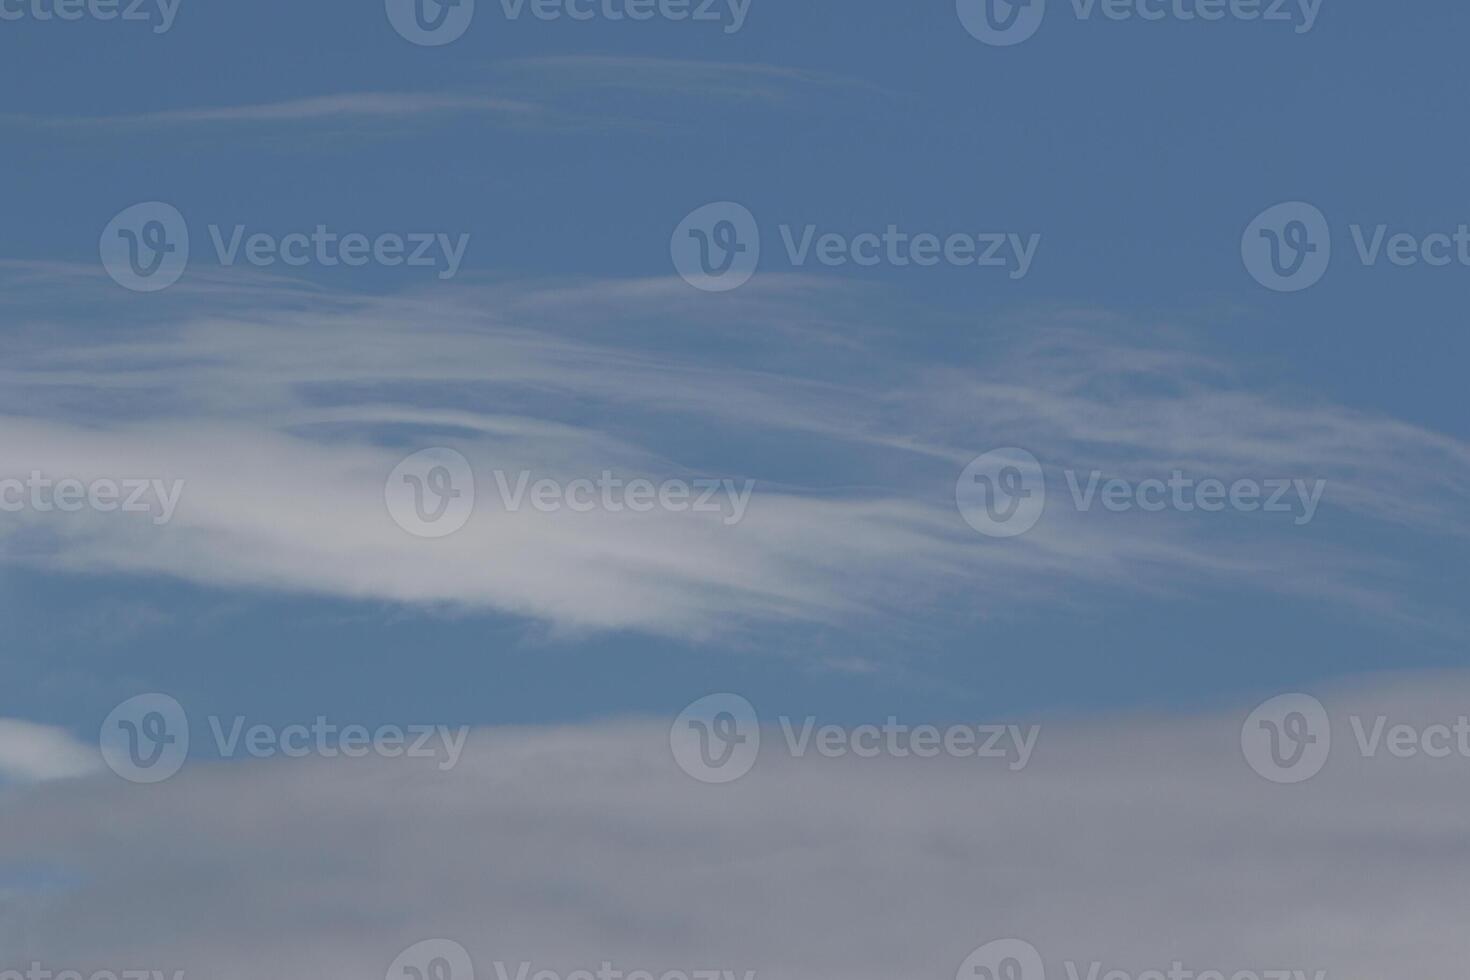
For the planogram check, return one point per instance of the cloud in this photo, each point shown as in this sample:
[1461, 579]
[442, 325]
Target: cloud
[361, 106]
[284, 409]
[34, 753]
[1136, 842]
[550, 91]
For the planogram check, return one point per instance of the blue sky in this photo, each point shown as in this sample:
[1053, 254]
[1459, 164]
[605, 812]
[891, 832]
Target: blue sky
[1137, 150]
[930, 451]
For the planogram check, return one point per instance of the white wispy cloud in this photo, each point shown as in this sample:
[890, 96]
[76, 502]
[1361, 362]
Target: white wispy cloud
[285, 410]
[344, 106]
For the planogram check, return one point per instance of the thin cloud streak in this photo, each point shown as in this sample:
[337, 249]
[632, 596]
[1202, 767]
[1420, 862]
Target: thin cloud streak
[527, 91]
[346, 106]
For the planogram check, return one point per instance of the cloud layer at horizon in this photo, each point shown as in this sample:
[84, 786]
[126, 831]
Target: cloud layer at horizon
[1131, 841]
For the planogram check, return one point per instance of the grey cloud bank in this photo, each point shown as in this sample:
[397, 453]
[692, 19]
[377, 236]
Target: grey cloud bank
[1126, 842]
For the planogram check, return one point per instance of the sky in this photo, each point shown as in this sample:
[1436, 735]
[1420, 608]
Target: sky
[927, 336]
